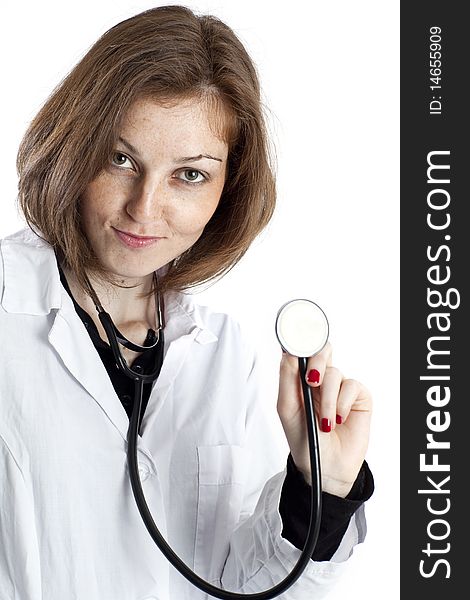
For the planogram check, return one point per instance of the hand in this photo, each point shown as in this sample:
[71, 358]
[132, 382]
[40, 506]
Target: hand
[343, 410]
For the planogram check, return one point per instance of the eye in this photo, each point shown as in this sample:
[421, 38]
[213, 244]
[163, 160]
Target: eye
[119, 160]
[192, 176]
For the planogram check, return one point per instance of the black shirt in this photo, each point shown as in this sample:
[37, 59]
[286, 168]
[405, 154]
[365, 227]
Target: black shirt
[294, 505]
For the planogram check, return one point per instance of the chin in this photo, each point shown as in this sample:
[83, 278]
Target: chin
[120, 271]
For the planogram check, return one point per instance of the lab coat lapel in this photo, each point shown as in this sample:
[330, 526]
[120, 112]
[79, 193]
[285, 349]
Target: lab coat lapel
[29, 263]
[84, 363]
[74, 346]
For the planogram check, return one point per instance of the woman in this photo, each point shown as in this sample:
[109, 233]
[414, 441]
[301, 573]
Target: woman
[147, 171]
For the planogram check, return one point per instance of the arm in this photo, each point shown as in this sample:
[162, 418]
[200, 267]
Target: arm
[294, 508]
[20, 576]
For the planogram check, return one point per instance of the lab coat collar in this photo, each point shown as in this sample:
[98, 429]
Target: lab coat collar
[29, 264]
[182, 312]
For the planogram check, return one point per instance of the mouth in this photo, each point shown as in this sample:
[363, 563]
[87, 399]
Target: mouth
[132, 240]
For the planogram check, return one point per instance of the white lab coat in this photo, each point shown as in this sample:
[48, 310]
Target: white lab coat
[69, 525]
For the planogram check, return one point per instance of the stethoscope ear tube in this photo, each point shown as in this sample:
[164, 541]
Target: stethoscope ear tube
[109, 328]
[315, 507]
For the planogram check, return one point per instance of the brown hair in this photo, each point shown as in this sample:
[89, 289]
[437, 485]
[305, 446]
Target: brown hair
[165, 53]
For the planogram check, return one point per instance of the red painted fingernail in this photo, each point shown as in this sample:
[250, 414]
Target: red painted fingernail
[326, 425]
[339, 419]
[313, 376]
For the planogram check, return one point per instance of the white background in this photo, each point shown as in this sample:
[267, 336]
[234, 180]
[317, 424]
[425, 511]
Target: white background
[329, 72]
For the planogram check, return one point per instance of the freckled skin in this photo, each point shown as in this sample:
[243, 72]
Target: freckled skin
[150, 193]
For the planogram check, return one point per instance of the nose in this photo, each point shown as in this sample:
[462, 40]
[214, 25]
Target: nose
[147, 200]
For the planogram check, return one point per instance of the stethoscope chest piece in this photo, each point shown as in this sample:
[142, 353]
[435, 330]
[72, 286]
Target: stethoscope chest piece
[302, 328]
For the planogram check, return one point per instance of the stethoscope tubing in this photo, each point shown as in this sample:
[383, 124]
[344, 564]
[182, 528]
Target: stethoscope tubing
[139, 378]
[165, 548]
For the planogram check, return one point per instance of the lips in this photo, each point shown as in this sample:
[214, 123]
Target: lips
[136, 241]
[139, 237]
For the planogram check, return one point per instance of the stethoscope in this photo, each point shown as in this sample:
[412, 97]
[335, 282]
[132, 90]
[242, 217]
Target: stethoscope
[302, 330]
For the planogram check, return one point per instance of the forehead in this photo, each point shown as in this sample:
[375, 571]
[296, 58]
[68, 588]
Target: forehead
[177, 123]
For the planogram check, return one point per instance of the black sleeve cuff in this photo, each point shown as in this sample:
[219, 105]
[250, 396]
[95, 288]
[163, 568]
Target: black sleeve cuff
[294, 507]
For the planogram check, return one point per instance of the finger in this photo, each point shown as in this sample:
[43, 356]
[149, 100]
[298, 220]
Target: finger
[329, 392]
[353, 396]
[348, 393]
[317, 365]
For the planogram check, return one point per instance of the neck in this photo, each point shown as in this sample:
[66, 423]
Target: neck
[132, 314]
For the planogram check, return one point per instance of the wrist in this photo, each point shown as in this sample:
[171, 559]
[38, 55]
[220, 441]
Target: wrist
[330, 485]
[302, 470]
[335, 487]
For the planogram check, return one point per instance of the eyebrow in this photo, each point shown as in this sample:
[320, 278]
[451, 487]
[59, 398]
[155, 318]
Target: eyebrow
[129, 146]
[183, 159]
[198, 157]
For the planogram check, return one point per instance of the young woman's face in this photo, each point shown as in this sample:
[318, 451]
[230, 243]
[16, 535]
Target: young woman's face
[164, 181]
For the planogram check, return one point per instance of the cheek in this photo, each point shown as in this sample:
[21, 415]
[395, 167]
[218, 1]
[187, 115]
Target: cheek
[188, 223]
[192, 217]
[88, 202]
[94, 204]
